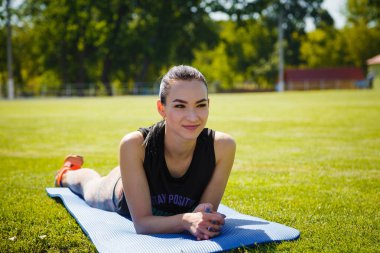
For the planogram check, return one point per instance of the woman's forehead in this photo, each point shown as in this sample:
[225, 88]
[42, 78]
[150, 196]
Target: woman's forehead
[187, 90]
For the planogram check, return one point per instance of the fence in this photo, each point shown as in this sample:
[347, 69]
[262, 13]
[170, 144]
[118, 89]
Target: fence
[327, 84]
[138, 88]
[152, 88]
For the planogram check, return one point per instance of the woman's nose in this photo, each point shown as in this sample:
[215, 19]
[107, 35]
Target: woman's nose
[192, 115]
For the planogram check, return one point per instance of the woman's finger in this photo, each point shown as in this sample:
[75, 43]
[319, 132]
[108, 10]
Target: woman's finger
[208, 208]
[211, 230]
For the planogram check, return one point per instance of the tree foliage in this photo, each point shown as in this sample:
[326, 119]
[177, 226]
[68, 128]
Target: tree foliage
[86, 44]
[242, 56]
[352, 45]
[81, 43]
[250, 40]
[291, 14]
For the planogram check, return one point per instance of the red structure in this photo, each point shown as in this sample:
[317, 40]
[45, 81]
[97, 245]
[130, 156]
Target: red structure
[323, 78]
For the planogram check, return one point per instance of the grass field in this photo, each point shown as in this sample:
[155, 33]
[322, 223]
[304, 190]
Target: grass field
[310, 160]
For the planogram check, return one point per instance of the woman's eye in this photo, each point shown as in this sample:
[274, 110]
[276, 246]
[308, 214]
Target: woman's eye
[179, 106]
[202, 105]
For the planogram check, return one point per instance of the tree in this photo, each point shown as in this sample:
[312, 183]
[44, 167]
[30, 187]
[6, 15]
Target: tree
[166, 33]
[85, 41]
[363, 31]
[363, 11]
[249, 39]
[293, 14]
[325, 47]
[59, 30]
[350, 46]
[242, 56]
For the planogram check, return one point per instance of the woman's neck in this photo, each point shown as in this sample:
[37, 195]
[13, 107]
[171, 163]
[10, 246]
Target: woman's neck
[178, 155]
[178, 148]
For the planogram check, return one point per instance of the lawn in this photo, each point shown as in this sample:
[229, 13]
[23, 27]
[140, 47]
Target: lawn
[309, 160]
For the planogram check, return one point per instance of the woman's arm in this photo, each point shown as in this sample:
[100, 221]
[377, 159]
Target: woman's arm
[225, 148]
[137, 194]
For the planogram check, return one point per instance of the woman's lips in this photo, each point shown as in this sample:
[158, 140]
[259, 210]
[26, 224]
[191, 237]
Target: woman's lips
[191, 127]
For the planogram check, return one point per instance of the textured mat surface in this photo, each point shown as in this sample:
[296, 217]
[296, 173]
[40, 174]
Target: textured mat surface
[111, 232]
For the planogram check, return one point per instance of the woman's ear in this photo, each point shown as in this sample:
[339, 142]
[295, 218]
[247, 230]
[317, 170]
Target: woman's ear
[161, 109]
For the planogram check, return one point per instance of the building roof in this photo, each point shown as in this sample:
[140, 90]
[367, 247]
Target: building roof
[344, 73]
[374, 60]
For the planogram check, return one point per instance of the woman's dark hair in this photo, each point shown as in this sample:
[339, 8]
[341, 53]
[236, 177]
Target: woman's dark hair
[181, 72]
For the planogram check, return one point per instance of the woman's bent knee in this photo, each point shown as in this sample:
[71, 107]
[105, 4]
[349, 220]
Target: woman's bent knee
[99, 194]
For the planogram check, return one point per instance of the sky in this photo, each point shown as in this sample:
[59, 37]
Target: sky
[336, 9]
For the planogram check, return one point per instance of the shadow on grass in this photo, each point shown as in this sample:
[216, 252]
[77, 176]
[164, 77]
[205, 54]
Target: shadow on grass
[267, 247]
[59, 201]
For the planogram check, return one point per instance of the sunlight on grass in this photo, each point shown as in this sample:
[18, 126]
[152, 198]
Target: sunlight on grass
[309, 160]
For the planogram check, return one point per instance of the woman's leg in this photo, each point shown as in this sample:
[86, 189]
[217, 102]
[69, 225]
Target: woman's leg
[97, 191]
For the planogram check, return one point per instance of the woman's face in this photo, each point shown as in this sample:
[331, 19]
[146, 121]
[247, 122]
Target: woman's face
[186, 109]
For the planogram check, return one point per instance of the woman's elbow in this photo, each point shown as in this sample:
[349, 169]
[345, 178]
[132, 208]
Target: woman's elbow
[140, 228]
[140, 231]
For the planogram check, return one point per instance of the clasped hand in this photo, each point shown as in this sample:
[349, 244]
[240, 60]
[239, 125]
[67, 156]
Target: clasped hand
[203, 222]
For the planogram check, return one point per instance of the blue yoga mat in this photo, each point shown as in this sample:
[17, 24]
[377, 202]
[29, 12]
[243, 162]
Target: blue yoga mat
[111, 232]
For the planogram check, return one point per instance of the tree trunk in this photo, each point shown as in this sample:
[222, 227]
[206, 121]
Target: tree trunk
[81, 55]
[62, 60]
[141, 77]
[81, 76]
[107, 63]
[105, 75]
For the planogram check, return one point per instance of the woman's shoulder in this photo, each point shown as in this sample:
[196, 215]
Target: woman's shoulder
[224, 139]
[131, 145]
[224, 143]
[132, 138]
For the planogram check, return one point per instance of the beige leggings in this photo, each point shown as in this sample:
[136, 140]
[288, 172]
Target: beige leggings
[99, 192]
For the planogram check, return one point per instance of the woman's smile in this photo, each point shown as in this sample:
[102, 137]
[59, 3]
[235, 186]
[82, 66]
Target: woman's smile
[190, 127]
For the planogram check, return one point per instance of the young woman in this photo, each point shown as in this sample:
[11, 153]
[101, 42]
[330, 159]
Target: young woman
[172, 175]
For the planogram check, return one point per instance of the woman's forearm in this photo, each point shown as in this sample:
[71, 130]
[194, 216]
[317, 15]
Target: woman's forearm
[202, 225]
[160, 224]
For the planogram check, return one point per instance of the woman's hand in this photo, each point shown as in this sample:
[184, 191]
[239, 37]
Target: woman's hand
[204, 207]
[203, 222]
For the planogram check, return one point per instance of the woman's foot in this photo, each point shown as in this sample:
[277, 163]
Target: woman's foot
[71, 162]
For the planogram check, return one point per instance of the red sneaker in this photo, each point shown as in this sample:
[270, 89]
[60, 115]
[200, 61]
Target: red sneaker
[71, 162]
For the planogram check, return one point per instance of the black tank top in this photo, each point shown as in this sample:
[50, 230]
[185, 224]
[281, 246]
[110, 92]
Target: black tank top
[170, 195]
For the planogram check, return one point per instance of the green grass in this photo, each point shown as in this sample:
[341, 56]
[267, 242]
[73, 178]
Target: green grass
[310, 160]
